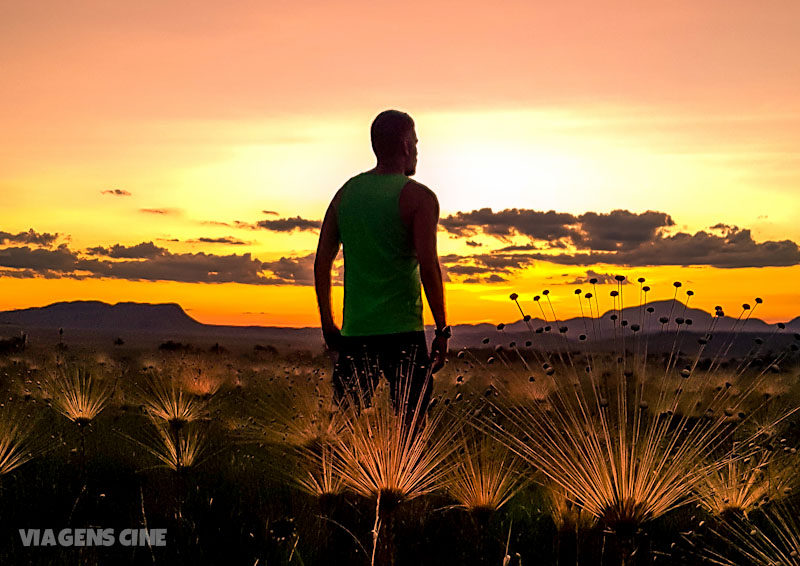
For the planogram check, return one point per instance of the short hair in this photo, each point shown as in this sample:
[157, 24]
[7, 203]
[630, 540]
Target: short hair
[387, 132]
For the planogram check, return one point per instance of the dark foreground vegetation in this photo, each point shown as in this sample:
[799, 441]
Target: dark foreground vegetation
[526, 457]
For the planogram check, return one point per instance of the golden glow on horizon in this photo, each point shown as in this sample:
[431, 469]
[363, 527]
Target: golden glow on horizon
[295, 306]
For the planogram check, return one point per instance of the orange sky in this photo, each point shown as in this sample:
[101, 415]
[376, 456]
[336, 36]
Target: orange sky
[214, 114]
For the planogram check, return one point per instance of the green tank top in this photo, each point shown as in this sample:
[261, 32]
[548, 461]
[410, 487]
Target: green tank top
[381, 272]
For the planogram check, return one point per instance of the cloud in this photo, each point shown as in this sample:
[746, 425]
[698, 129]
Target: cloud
[619, 237]
[502, 262]
[619, 229]
[602, 279]
[59, 259]
[289, 224]
[29, 237]
[510, 222]
[228, 240]
[466, 270]
[147, 262]
[732, 250]
[25, 274]
[472, 244]
[269, 212]
[216, 223]
[139, 251]
[494, 278]
[482, 268]
[298, 270]
[116, 192]
[160, 211]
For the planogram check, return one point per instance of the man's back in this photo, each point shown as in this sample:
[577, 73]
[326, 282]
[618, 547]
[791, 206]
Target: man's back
[382, 284]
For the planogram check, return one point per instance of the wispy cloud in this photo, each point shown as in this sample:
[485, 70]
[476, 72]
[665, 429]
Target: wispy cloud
[598, 278]
[116, 192]
[216, 223]
[160, 211]
[227, 240]
[290, 224]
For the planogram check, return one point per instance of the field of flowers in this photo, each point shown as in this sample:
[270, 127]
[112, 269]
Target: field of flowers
[569, 455]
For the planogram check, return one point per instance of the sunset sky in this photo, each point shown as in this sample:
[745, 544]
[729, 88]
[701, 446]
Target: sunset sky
[186, 151]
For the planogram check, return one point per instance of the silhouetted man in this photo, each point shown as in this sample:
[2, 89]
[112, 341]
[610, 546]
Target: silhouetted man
[386, 224]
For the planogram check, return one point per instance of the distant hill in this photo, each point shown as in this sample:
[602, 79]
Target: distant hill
[148, 324]
[700, 320]
[98, 316]
[143, 325]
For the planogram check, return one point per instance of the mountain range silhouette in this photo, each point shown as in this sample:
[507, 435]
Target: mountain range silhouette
[95, 319]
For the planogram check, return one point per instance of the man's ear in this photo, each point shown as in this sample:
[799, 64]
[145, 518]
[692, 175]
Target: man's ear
[406, 147]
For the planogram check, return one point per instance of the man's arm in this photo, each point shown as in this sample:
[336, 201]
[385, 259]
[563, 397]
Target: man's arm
[424, 225]
[327, 249]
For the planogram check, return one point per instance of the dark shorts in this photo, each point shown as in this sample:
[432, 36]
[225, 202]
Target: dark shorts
[402, 358]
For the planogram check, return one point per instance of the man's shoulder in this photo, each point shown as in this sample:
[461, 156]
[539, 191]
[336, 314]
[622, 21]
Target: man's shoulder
[338, 196]
[417, 191]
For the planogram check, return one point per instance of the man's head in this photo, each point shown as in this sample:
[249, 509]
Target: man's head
[394, 139]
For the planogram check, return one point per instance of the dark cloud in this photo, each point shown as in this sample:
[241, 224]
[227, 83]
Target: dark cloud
[482, 268]
[298, 270]
[147, 262]
[116, 192]
[61, 259]
[466, 270]
[732, 250]
[25, 274]
[602, 279]
[619, 229]
[228, 240]
[502, 262]
[504, 224]
[472, 244]
[619, 237]
[522, 248]
[269, 212]
[29, 237]
[139, 251]
[160, 211]
[289, 224]
[216, 223]
[494, 278]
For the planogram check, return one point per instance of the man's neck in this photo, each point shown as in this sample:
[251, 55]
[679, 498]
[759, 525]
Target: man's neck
[389, 169]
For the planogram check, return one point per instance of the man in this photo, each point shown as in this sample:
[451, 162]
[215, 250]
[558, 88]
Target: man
[386, 224]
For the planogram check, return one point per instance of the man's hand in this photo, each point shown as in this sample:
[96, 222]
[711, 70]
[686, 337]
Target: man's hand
[438, 353]
[332, 336]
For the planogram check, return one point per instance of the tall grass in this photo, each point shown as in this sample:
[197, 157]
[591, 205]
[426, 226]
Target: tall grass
[384, 455]
[17, 440]
[770, 538]
[747, 478]
[163, 399]
[485, 475]
[77, 393]
[177, 452]
[631, 436]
